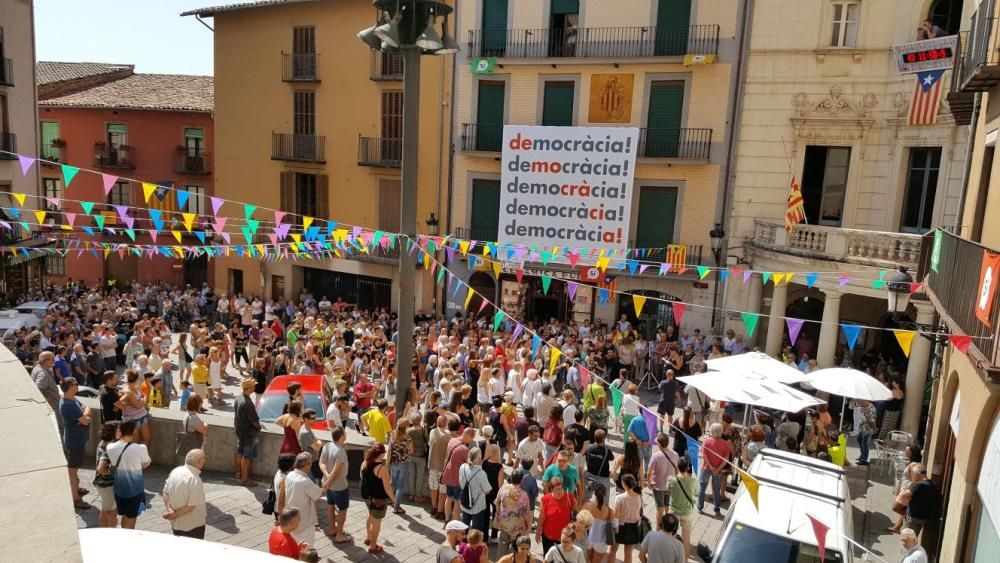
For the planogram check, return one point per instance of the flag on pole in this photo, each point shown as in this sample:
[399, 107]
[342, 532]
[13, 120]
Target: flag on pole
[795, 209]
[926, 98]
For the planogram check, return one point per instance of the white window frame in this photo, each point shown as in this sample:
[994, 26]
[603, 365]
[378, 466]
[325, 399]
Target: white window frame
[55, 265]
[196, 202]
[839, 26]
[52, 187]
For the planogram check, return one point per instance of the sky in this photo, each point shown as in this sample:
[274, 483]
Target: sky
[150, 34]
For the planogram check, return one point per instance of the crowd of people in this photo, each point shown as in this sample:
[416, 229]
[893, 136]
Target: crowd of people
[492, 442]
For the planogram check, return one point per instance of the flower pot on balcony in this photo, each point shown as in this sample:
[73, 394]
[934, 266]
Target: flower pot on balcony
[180, 149]
[58, 143]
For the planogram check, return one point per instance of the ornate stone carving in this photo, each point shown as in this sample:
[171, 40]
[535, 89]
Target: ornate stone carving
[836, 104]
[901, 103]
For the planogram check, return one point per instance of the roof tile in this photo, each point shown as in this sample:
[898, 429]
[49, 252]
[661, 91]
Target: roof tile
[166, 92]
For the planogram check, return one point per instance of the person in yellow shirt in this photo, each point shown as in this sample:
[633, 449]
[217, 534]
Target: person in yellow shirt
[376, 423]
[199, 375]
[155, 396]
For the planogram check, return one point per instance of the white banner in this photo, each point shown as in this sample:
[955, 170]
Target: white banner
[929, 54]
[567, 186]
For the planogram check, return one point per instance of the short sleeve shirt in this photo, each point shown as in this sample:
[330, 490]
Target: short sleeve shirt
[75, 435]
[331, 455]
[129, 462]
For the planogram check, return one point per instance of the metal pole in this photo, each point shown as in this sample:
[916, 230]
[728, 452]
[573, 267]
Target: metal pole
[407, 224]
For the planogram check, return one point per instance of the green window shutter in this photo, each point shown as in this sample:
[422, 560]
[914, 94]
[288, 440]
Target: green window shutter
[673, 21]
[194, 133]
[565, 7]
[50, 132]
[663, 122]
[657, 212]
[494, 39]
[117, 128]
[485, 209]
[557, 106]
[489, 116]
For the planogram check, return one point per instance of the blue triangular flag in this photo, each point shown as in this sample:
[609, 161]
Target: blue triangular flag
[811, 279]
[851, 333]
[182, 198]
[536, 341]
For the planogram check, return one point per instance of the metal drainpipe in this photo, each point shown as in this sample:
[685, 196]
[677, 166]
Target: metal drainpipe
[968, 164]
[451, 160]
[734, 128]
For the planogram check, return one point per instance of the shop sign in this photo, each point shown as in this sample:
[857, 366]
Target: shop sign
[538, 272]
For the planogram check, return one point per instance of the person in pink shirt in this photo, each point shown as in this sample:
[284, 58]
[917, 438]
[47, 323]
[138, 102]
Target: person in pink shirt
[714, 452]
[662, 464]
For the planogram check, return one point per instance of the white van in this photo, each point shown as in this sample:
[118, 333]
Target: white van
[791, 487]
[37, 308]
[11, 321]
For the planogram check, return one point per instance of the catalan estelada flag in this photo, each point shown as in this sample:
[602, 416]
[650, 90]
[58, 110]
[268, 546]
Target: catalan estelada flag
[926, 98]
[795, 210]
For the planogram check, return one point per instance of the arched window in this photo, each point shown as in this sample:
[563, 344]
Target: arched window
[947, 14]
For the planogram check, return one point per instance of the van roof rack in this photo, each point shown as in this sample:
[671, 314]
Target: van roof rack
[803, 490]
[800, 460]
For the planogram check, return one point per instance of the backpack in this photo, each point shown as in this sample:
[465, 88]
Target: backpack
[553, 434]
[466, 499]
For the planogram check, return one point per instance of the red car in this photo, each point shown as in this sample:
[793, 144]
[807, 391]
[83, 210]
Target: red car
[275, 397]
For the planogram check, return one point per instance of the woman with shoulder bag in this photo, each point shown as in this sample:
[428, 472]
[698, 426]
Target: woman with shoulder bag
[195, 429]
[376, 489]
[104, 482]
[628, 509]
[602, 535]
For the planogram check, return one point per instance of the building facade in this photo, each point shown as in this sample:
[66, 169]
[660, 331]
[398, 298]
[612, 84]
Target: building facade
[666, 67]
[963, 448]
[154, 128]
[309, 121]
[18, 135]
[824, 104]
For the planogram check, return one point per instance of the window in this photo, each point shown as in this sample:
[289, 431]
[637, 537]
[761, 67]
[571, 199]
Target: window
[54, 191]
[485, 222]
[120, 194]
[388, 205]
[194, 140]
[116, 135]
[494, 30]
[55, 265]
[845, 24]
[565, 17]
[235, 284]
[305, 194]
[489, 116]
[51, 143]
[824, 184]
[557, 105]
[304, 40]
[196, 201]
[673, 20]
[304, 113]
[392, 114]
[921, 187]
[663, 120]
[657, 214]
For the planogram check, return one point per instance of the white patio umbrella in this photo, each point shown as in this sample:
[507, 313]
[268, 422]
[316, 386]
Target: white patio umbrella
[750, 390]
[850, 383]
[758, 364]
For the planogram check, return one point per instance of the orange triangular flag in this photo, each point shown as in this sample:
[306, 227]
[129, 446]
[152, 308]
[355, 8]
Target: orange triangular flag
[905, 339]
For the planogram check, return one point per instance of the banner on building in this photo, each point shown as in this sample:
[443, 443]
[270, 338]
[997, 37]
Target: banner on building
[483, 65]
[929, 54]
[611, 98]
[987, 287]
[567, 186]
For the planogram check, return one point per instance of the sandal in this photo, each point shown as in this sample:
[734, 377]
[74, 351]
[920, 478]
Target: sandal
[82, 491]
[399, 511]
[375, 550]
[248, 483]
[367, 541]
[346, 539]
[81, 505]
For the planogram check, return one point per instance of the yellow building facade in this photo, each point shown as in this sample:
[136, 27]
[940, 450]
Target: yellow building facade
[667, 67]
[309, 120]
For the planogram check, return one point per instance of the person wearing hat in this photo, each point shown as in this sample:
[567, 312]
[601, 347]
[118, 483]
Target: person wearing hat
[454, 534]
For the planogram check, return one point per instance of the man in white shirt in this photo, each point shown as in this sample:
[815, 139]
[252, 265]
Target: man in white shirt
[532, 448]
[302, 493]
[914, 551]
[184, 497]
[109, 341]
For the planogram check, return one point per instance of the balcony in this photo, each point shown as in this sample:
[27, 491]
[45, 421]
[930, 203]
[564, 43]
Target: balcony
[953, 288]
[121, 157]
[595, 42]
[7, 73]
[385, 66]
[475, 234]
[681, 143]
[298, 148]
[960, 102]
[981, 60]
[867, 248]
[376, 151]
[484, 137]
[8, 146]
[385, 256]
[299, 67]
[197, 165]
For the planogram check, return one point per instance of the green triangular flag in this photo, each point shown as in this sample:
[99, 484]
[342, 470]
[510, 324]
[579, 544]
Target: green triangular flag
[409, 245]
[616, 400]
[248, 234]
[880, 282]
[131, 234]
[750, 322]
[87, 207]
[440, 276]
[497, 319]
[99, 219]
[702, 272]
[69, 172]
[377, 238]
[248, 210]
[546, 282]
[766, 276]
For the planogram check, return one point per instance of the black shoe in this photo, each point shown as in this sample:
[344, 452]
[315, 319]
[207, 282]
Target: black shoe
[862, 462]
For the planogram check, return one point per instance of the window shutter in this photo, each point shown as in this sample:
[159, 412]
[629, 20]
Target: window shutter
[194, 133]
[494, 38]
[673, 20]
[485, 209]
[663, 122]
[287, 193]
[117, 128]
[557, 106]
[565, 7]
[657, 213]
[322, 195]
[489, 116]
[389, 205]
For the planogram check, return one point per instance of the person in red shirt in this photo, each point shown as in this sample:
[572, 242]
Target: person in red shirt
[281, 542]
[714, 453]
[555, 514]
[363, 393]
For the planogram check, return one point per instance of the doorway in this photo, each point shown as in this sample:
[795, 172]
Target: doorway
[278, 288]
[824, 184]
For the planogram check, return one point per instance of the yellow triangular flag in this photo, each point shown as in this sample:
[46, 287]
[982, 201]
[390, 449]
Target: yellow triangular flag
[147, 190]
[40, 215]
[486, 250]
[340, 235]
[177, 235]
[19, 198]
[306, 221]
[602, 263]
[496, 269]
[905, 339]
[297, 237]
[778, 278]
[260, 247]
[788, 277]
[180, 251]
[468, 297]
[752, 485]
[463, 245]
[638, 301]
[188, 220]
[107, 251]
[554, 354]
[427, 261]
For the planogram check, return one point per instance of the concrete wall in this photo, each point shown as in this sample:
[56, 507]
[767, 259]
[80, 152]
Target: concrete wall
[37, 521]
[220, 443]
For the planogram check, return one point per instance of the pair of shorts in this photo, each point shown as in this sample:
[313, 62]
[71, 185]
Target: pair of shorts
[74, 457]
[128, 507]
[141, 421]
[454, 492]
[107, 495]
[434, 481]
[686, 520]
[600, 547]
[376, 512]
[340, 499]
[662, 498]
[248, 449]
[201, 389]
[665, 409]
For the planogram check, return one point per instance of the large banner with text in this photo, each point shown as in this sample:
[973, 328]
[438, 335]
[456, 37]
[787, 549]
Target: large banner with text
[567, 186]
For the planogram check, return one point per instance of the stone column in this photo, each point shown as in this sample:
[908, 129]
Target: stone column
[826, 352]
[776, 322]
[916, 372]
[754, 302]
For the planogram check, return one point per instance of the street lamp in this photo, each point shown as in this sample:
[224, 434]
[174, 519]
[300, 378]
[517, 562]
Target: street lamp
[407, 27]
[897, 285]
[432, 225]
[717, 234]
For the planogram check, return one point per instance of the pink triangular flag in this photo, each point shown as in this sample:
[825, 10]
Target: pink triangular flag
[746, 276]
[679, 309]
[53, 201]
[273, 238]
[584, 376]
[519, 274]
[819, 530]
[152, 235]
[26, 162]
[483, 306]
[109, 181]
[220, 224]
[279, 215]
[642, 268]
[70, 218]
[573, 258]
[794, 327]
[226, 237]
